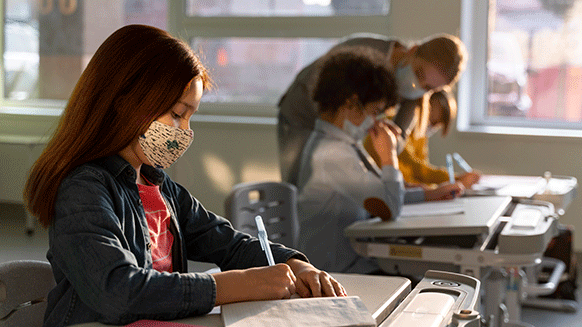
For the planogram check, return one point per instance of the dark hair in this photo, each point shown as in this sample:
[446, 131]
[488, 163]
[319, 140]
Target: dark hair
[135, 76]
[353, 70]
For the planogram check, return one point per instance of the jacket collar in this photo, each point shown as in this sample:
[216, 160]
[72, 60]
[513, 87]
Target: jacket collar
[118, 166]
[333, 131]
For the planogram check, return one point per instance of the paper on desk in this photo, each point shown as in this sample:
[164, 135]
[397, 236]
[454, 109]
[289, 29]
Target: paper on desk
[433, 208]
[312, 312]
[508, 185]
[156, 323]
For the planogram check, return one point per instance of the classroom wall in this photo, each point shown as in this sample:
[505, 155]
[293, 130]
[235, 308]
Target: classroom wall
[224, 154]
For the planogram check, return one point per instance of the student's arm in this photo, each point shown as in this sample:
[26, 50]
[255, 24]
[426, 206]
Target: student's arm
[312, 282]
[276, 282]
[245, 275]
[337, 165]
[260, 283]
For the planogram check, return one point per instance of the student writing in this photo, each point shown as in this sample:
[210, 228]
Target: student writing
[120, 230]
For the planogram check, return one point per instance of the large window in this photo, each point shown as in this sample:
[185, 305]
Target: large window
[253, 48]
[47, 43]
[525, 68]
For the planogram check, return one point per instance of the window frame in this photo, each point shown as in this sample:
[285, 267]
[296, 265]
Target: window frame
[184, 27]
[473, 86]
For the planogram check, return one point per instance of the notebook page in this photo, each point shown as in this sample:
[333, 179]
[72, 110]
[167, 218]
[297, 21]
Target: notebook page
[433, 208]
[312, 312]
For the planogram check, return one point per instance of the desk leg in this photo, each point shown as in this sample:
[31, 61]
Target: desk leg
[513, 296]
[494, 286]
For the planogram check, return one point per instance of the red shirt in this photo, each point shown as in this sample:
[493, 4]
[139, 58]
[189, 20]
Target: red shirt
[158, 218]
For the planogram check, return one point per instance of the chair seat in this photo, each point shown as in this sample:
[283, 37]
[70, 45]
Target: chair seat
[24, 286]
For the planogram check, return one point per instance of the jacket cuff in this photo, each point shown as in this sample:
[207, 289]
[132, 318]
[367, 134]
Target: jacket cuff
[281, 255]
[414, 195]
[392, 174]
[199, 293]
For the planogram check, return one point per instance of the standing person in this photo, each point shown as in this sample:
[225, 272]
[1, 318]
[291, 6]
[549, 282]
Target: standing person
[426, 66]
[120, 230]
[436, 114]
[338, 184]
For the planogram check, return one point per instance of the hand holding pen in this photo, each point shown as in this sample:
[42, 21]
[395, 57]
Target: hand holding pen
[309, 281]
[462, 163]
[470, 176]
[262, 234]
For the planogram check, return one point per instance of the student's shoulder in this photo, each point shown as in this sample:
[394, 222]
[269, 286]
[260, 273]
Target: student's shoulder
[330, 149]
[380, 42]
[97, 173]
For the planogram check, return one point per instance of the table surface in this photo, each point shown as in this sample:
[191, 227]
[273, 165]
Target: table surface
[380, 294]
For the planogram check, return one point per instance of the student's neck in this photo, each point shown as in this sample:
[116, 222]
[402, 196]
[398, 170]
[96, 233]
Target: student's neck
[335, 118]
[134, 161]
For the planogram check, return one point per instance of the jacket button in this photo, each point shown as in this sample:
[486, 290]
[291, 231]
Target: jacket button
[149, 246]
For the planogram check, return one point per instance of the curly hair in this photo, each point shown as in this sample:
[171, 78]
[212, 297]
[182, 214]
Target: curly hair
[353, 70]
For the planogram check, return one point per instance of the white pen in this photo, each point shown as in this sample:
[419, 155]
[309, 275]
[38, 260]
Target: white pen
[462, 163]
[264, 241]
[450, 168]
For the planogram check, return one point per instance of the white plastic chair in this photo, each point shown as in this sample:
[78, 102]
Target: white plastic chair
[275, 202]
[24, 286]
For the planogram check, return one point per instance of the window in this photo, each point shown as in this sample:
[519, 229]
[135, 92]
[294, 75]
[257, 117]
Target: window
[253, 48]
[47, 43]
[525, 69]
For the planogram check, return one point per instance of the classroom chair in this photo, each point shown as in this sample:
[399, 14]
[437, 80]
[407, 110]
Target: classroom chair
[275, 202]
[24, 286]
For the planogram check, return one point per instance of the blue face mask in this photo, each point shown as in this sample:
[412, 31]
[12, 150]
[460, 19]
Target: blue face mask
[408, 85]
[358, 132]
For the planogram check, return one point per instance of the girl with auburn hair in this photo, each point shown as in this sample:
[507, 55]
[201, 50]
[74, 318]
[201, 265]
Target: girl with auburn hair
[120, 230]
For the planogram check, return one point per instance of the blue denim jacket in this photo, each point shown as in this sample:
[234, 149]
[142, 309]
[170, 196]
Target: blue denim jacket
[99, 249]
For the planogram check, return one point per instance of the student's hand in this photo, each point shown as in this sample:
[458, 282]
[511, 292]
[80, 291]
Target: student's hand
[445, 192]
[260, 283]
[312, 282]
[383, 137]
[468, 179]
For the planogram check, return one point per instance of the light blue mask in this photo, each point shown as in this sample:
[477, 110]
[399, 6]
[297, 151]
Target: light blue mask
[408, 85]
[358, 132]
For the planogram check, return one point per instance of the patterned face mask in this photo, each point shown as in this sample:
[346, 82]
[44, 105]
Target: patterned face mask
[163, 144]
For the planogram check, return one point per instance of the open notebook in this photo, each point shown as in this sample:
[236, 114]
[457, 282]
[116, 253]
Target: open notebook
[312, 312]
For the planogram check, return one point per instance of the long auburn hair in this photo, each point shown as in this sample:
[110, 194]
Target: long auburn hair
[135, 76]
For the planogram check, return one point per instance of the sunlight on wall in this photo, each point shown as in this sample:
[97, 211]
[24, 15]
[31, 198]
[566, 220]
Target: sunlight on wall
[219, 173]
[259, 171]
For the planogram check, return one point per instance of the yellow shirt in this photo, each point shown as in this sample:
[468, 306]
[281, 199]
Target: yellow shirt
[413, 162]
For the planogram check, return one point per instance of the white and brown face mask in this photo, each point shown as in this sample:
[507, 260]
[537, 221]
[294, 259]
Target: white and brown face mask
[163, 144]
